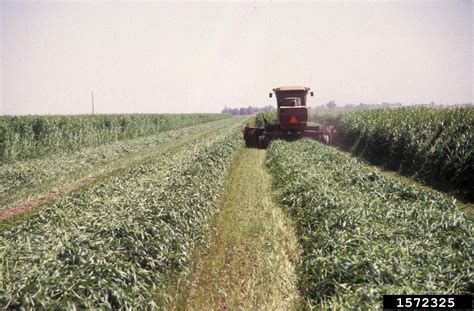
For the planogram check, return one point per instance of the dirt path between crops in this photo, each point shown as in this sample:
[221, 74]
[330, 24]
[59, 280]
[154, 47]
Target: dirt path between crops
[254, 250]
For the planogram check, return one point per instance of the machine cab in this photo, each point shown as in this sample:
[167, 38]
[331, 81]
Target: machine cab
[291, 104]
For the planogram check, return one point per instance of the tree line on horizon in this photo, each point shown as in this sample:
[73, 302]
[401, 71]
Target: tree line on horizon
[332, 105]
[247, 110]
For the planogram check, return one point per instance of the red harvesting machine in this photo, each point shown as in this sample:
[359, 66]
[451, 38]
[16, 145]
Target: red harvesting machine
[292, 115]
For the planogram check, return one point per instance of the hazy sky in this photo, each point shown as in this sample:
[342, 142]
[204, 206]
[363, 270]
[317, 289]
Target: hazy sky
[199, 57]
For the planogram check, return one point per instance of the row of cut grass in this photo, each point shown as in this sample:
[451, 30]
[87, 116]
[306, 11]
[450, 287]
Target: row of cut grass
[365, 235]
[118, 243]
[23, 180]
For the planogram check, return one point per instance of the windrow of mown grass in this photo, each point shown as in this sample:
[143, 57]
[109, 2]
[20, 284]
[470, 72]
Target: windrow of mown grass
[433, 145]
[26, 137]
[118, 243]
[365, 235]
[22, 180]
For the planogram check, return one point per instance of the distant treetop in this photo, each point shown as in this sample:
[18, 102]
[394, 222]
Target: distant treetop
[247, 110]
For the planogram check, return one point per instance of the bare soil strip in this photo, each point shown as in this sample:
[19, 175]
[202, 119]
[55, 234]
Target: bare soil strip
[45, 198]
[251, 261]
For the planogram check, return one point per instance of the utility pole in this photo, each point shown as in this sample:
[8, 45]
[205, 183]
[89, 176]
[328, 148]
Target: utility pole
[92, 93]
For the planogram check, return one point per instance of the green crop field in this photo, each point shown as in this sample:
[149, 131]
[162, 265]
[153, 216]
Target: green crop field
[116, 243]
[34, 136]
[271, 118]
[433, 145]
[365, 235]
[173, 212]
[25, 178]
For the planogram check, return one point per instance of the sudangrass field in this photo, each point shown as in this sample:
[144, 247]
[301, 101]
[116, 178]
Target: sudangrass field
[20, 180]
[271, 117]
[26, 137]
[131, 236]
[327, 117]
[118, 243]
[433, 145]
[365, 235]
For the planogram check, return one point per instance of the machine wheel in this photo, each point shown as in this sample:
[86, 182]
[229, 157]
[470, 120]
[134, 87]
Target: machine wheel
[251, 136]
[263, 141]
[250, 143]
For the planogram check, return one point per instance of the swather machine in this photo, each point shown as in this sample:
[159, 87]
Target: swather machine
[292, 114]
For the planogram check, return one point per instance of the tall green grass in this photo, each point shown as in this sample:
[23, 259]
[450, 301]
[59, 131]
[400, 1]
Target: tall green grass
[26, 137]
[434, 145]
[327, 116]
[271, 117]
